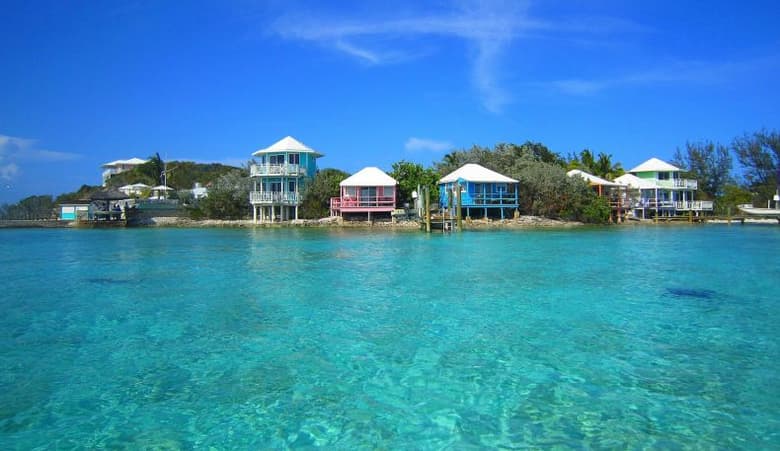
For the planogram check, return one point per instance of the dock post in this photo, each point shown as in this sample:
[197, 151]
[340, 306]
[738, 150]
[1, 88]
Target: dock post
[458, 212]
[427, 209]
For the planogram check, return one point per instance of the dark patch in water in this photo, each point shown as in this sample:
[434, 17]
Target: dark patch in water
[691, 293]
[108, 281]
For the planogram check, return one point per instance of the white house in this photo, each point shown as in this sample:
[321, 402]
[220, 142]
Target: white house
[119, 166]
[660, 191]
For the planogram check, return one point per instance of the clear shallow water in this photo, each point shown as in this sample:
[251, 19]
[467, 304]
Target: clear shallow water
[656, 337]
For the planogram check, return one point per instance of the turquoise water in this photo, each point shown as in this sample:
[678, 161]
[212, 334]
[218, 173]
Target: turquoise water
[657, 337]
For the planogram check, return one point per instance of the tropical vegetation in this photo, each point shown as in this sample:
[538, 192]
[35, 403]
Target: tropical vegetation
[544, 188]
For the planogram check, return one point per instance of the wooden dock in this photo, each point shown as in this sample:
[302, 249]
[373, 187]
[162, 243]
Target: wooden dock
[445, 223]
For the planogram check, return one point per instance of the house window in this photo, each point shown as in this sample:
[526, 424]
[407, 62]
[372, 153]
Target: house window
[291, 186]
[663, 176]
[387, 191]
[276, 187]
[277, 159]
[294, 158]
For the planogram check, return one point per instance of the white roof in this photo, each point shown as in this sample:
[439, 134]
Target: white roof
[287, 144]
[655, 165]
[633, 181]
[369, 176]
[132, 161]
[475, 173]
[162, 188]
[134, 186]
[590, 178]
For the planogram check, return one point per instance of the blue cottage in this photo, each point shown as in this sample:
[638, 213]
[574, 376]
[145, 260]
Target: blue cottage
[480, 189]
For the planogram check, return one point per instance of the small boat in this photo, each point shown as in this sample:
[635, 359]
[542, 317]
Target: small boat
[759, 211]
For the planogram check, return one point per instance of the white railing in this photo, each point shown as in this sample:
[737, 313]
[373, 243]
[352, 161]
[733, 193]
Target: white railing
[695, 205]
[271, 197]
[257, 170]
[678, 183]
[652, 203]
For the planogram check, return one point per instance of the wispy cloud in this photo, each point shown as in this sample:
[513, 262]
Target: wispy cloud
[8, 171]
[487, 28]
[675, 72]
[426, 145]
[14, 150]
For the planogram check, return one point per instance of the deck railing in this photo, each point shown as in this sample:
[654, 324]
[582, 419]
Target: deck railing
[272, 197]
[337, 203]
[695, 205]
[257, 170]
[678, 183]
[680, 205]
[487, 199]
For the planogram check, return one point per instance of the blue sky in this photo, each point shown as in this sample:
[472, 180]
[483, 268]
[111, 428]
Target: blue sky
[370, 83]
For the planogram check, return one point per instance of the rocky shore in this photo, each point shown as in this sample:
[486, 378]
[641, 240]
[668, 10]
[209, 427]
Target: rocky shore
[476, 224]
[523, 222]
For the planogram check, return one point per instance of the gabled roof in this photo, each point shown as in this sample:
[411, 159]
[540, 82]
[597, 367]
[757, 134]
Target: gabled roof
[288, 144]
[654, 165]
[633, 181]
[590, 178]
[370, 176]
[132, 161]
[475, 173]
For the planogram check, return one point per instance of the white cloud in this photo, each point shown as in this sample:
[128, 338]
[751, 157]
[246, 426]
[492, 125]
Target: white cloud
[8, 171]
[430, 145]
[14, 150]
[487, 27]
[670, 72]
[578, 87]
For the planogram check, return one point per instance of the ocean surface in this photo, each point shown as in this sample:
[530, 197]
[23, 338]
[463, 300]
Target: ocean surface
[657, 337]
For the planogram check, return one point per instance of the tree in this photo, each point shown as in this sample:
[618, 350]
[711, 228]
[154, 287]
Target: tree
[588, 161]
[759, 155]
[458, 158]
[606, 169]
[709, 163]
[732, 196]
[601, 166]
[180, 174]
[32, 207]
[228, 197]
[317, 194]
[81, 195]
[546, 190]
[502, 157]
[410, 176]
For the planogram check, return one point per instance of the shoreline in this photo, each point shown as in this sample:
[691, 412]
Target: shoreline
[523, 222]
[335, 223]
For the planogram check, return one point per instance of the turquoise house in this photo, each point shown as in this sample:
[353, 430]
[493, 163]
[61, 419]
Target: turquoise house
[481, 190]
[278, 179]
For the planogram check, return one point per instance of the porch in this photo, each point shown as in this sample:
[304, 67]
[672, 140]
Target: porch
[273, 198]
[285, 169]
[361, 204]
